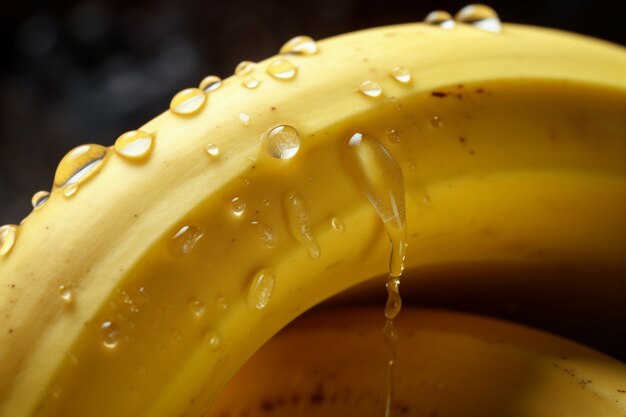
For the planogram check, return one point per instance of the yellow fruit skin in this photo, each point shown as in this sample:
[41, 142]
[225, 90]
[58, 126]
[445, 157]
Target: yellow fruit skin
[539, 177]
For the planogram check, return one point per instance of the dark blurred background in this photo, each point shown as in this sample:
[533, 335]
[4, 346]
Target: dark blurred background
[74, 72]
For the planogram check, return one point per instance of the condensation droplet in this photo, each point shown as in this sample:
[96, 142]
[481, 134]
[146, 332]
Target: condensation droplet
[435, 121]
[221, 303]
[299, 222]
[70, 190]
[338, 225]
[480, 16]
[370, 89]
[250, 82]
[65, 293]
[188, 101]
[110, 334]
[440, 18]
[244, 67]
[135, 144]
[422, 197]
[80, 164]
[300, 45]
[400, 74]
[282, 69]
[198, 307]
[39, 198]
[238, 206]
[282, 141]
[210, 83]
[8, 235]
[184, 240]
[245, 118]
[264, 233]
[213, 340]
[261, 289]
[394, 135]
[212, 150]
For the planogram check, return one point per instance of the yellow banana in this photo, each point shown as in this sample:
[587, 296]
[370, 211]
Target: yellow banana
[155, 268]
[331, 363]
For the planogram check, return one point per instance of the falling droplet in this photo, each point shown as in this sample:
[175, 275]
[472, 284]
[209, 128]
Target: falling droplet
[80, 164]
[244, 67]
[400, 74]
[212, 150]
[440, 18]
[245, 118]
[8, 234]
[65, 293]
[210, 83]
[188, 102]
[70, 190]
[238, 206]
[39, 198]
[250, 82]
[214, 340]
[299, 222]
[110, 334]
[436, 121]
[135, 144]
[261, 289]
[338, 225]
[282, 69]
[198, 307]
[370, 88]
[221, 303]
[394, 135]
[282, 141]
[300, 45]
[481, 16]
[264, 233]
[394, 302]
[184, 240]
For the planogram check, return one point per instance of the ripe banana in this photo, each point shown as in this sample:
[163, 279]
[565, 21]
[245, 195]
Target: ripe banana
[156, 267]
[330, 363]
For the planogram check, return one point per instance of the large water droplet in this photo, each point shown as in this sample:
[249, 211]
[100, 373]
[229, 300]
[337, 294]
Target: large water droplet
[110, 334]
[213, 340]
[264, 233]
[440, 18]
[282, 69]
[210, 83]
[80, 164]
[188, 101]
[400, 74]
[282, 142]
[65, 293]
[245, 118]
[300, 45]
[250, 82]
[261, 289]
[198, 307]
[244, 67]
[238, 206]
[135, 144]
[481, 16]
[338, 225]
[299, 222]
[8, 234]
[39, 198]
[184, 240]
[370, 89]
[212, 150]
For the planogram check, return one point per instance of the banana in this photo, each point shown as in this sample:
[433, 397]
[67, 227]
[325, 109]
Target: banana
[330, 363]
[157, 266]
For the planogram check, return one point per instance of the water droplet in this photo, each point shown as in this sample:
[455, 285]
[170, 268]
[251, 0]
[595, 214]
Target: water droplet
[244, 67]
[184, 240]
[264, 233]
[400, 74]
[371, 88]
[245, 118]
[394, 302]
[440, 18]
[238, 206]
[481, 16]
[300, 45]
[261, 289]
[212, 150]
[250, 82]
[176, 335]
[198, 308]
[214, 340]
[338, 225]
[221, 303]
[210, 83]
[394, 135]
[300, 222]
[79, 164]
[422, 197]
[282, 69]
[70, 190]
[110, 334]
[65, 293]
[188, 102]
[135, 144]
[39, 198]
[8, 234]
[282, 141]
[436, 121]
